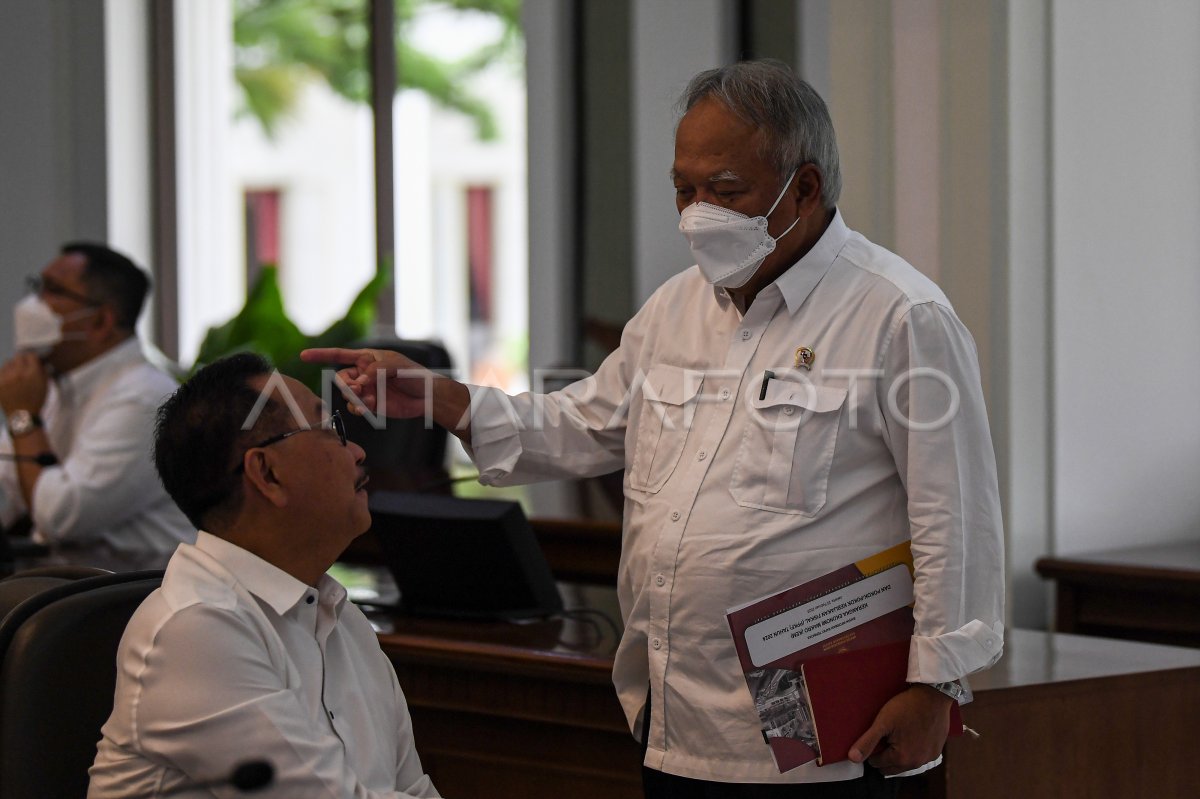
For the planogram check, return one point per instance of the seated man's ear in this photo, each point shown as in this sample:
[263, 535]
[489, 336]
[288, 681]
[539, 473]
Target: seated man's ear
[261, 477]
[103, 323]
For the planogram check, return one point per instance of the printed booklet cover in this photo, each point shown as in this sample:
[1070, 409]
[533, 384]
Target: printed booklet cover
[862, 605]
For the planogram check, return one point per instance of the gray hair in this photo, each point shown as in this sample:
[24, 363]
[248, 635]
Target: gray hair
[770, 96]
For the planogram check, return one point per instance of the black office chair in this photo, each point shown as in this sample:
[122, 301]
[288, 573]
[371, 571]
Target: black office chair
[403, 454]
[57, 676]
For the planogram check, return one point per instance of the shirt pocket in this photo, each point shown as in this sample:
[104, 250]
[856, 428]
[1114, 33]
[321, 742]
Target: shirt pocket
[787, 448]
[668, 406]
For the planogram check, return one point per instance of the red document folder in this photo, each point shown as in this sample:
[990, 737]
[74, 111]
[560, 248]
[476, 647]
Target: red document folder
[847, 690]
[831, 614]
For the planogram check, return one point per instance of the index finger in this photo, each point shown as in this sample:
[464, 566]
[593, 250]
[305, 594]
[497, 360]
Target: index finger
[337, 355]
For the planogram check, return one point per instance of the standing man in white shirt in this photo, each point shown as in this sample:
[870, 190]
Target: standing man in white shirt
[250, 651]
[79, 398]
[799, 399]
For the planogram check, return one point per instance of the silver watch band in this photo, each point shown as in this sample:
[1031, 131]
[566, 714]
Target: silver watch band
[952, 689]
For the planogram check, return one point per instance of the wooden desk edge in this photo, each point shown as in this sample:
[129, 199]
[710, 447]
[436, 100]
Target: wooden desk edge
[495, 658]
[1100, 571]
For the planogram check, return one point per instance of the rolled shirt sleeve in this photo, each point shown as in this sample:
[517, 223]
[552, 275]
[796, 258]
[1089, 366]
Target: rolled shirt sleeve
[576, 432]
[107, 477]
[937, 430]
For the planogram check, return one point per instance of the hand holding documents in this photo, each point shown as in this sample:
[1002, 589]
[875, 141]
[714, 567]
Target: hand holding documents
[822, 658]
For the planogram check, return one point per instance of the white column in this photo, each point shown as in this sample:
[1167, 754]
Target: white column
[413, 270]
[1024, 420]
[211, 273]
[127, 84]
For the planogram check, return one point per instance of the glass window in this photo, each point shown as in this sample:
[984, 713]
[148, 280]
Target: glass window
[276, 169]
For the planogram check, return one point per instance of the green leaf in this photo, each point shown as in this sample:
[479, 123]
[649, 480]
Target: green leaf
[262, 325]
[280, 44]
[355, 325]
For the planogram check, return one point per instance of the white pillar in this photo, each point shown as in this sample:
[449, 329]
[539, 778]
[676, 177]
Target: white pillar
[211, 274]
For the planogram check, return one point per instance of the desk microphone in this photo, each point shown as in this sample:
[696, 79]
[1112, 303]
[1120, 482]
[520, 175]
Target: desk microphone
[246, 777]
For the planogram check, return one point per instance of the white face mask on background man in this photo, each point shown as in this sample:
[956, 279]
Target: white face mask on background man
[729, 246]
[37, 327]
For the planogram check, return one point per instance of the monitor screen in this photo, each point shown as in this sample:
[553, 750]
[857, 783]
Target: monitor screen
[469, 558]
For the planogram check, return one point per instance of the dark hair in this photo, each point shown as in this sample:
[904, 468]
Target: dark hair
[198, 434]
[770, 96]
[112, 279]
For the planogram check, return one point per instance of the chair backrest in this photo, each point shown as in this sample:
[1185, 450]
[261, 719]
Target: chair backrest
[404, 454]
[57, 676]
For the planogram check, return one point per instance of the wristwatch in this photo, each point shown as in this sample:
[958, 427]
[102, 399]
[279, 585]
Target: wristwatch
[22, 422]
[952, 689]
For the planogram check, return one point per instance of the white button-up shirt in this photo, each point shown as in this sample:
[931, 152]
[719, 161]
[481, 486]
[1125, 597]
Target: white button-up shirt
[235, 660]
[99, 418]
[737, 486]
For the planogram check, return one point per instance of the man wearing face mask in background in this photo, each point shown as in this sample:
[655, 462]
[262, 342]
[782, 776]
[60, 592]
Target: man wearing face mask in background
[79, 400]
[798, 400]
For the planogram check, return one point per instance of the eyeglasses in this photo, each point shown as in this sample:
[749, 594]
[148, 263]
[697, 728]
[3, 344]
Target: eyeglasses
[40, 285]
[334, 423]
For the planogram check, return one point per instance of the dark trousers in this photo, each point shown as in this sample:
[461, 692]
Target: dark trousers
[658, 785]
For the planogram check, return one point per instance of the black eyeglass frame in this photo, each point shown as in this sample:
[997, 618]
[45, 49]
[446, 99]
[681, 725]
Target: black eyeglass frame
[334, 423]
[38, 285]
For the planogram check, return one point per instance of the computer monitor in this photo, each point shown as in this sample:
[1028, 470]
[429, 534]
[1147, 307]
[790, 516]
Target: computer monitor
[467, 558]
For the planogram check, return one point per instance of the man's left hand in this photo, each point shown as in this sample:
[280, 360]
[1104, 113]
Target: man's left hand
[912, 728]
[23, 384]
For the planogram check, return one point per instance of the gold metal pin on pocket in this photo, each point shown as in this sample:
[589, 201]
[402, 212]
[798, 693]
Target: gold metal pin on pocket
[805, 357]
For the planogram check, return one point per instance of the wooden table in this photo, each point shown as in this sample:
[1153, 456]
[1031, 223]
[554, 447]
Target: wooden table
[509, 711]
[1075, 716]
[513, 711]
[1149, 593]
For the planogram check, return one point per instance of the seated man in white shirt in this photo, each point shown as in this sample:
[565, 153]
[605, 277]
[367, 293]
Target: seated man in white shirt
[249, 651]
[79, 400]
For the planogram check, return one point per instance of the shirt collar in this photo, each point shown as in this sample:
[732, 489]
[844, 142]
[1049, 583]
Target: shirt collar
[85, 378]
[266, 581]
[802, 277]
[799, 281]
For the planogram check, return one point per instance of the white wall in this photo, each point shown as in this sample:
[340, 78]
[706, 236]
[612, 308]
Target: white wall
[1126, 254]
[552, 200]
[672, 41]
[53, 178]
[1043, 164]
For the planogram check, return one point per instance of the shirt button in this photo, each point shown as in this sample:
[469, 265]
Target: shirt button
[745, 335]
[310, 599]
[660, 580]
[724, 393]
[657, 644]
[674, 515]
[701, 455]
[788, 410]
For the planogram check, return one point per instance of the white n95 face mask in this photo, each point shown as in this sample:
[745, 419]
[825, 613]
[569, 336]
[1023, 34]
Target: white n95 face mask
[728, 246]
[37, 328]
